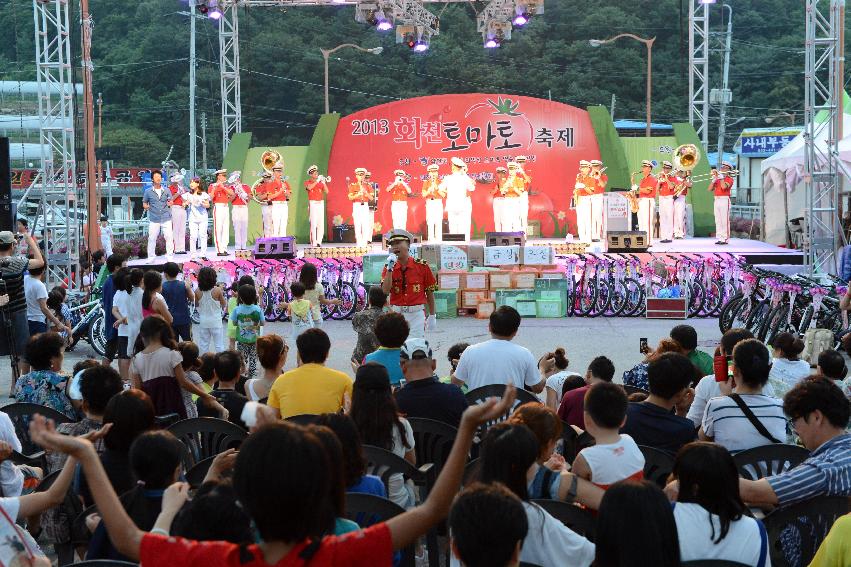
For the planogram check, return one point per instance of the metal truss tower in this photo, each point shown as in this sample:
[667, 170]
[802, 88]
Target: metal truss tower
[698, 62]
[823, 88]
[57, 199]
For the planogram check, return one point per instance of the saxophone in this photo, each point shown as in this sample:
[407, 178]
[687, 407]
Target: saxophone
[632, 194]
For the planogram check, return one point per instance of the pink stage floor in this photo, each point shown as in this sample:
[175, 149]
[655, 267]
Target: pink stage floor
[753, 251]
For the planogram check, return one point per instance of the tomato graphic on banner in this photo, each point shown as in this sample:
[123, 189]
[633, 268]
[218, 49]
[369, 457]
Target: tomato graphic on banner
[486, 131]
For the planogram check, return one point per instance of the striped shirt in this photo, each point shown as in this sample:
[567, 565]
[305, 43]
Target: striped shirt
[12, 270]
[729, 427]
[826, 472]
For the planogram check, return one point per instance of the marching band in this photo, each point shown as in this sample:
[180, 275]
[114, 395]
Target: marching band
[169, 209]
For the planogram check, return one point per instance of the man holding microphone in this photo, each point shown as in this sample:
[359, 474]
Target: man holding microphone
[409, 284]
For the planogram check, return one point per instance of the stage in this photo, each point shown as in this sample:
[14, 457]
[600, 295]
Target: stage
[751, 251]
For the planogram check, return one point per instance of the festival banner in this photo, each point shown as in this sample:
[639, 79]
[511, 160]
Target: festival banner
[486, 131]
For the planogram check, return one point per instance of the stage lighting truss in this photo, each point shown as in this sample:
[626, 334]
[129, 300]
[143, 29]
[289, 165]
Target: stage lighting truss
[209, 8]
[498, 17]
[385, 14]
[417, 38]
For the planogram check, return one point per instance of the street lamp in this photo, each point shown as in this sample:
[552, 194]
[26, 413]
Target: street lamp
[649, 44]
[326, 53]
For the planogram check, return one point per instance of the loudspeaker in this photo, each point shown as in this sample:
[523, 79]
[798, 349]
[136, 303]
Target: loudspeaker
[505, 238]
[343, 234]
[7, 209]
[450, 237]
[627, 241]
[275, 247]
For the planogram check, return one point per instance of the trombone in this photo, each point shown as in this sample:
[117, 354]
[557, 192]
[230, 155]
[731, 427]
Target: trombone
[709, 176]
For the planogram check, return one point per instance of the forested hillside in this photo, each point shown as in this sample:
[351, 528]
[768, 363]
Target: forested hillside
[141, 48]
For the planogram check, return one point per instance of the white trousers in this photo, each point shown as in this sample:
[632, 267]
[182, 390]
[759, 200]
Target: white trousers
[266, 210]
[498, 204]
[434, 220]
[221, 226]
[399, 212]
[210, 339]
[154, 229]
[646, 215]
[679, 217]
[722, 218]
[363, 228]
[106, 244]
[416, 321]
[583, 218]
[511, 214]
[280, 213]
[523, 211]
[666, 217]
[317, 222]
[597, 213]
[240, 226]
[198, 238]
[460, 217]
[178, 227]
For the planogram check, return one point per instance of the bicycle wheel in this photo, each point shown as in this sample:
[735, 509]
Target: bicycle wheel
[729, 311]
[618, 299]
[584, 298]
[604, 298]
[349, 298]
[634, 304]
[696, 298]
[276, 313]
[806, 318]
[713, 299]
[777, 322]
[97, 333]
[363, 296]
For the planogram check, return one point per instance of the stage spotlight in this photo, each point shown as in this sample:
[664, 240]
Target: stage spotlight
[522, 19]
[214, 13]
[421, 45]
[492, 43]
[381, 21]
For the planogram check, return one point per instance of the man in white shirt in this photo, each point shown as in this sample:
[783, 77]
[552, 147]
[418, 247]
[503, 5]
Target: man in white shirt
[499, 361]
[459, 207]
[38, 313]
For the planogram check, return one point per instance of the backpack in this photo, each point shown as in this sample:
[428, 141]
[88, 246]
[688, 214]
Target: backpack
[816, 341]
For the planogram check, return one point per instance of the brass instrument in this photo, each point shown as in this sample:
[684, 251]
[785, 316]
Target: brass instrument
[686, 184]
[267, 161]
[709, 176]
[575, 200]
[686, 157]
[632, 194]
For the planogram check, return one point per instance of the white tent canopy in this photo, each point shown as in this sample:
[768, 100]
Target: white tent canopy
[782, 178]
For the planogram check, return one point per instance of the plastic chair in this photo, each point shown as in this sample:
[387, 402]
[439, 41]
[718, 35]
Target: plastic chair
[807, 522]
[574, 517]
[205, 437]
[368, 509]
[481, 394]
[303, 419]
[166, 420]
[195, 475]
[471, 472]
[572, 442]
[713, 563]
[31, 454]
[768, 460]
[384, 464]
[47, 481]
[432, 441]
[657, 465]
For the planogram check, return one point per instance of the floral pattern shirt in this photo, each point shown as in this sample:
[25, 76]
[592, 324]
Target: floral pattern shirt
[46, 388]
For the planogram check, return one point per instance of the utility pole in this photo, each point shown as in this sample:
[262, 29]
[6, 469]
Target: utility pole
[612, 107]
[100, 143]
[92, 195]
[192, 132]
[204, 140]
[722, 112]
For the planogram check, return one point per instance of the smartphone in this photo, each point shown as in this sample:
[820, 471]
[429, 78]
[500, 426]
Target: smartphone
[642, 345]
[721, 367]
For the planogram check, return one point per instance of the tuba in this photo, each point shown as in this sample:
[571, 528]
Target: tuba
[686, 157]
[269, 159]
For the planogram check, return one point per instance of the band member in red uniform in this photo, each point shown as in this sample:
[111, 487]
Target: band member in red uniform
[582, 190]
[360, 194]
[260, 193]
[409, 284]
[721, 185]
[667, 187]
[280, 196]
[647, 199]
[683, 181]
[239, 213]
[512, 189]
[399, 191]
[526, 181]
[178, 212]
[498, 198]
[221, 195]
[317, 188]
[434, 194]
[598, 200]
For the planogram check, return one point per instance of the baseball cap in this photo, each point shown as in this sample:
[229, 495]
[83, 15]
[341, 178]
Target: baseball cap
[6, 237]
[416, 348]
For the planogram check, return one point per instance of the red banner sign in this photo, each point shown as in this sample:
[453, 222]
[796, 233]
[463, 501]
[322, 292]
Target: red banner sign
[485, 131]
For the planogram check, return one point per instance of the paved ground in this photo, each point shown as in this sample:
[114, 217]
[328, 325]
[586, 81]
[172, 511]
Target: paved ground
[584, 338]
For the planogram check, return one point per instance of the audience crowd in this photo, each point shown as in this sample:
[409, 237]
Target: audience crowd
[546, 442]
